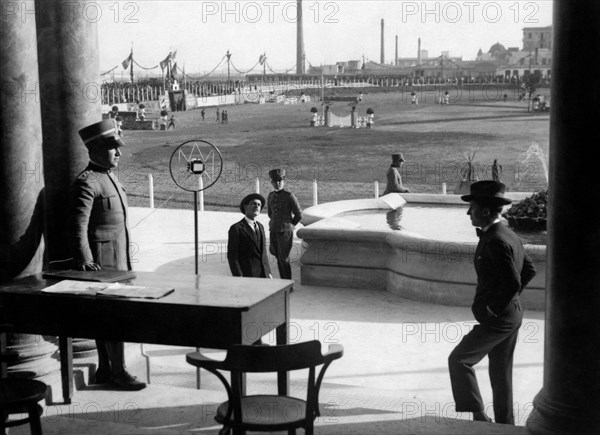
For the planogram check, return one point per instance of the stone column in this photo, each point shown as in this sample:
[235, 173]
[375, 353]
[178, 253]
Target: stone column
[71, 99]
[21, 172]
[70, 91]
[570, 398]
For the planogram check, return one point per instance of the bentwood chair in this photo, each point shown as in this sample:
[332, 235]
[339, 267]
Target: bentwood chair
[268, 412]
[18, 396]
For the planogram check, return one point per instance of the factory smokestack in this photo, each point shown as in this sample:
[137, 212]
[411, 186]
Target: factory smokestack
[382, 45]
[396, 52]
[300, 69]
[419, 53]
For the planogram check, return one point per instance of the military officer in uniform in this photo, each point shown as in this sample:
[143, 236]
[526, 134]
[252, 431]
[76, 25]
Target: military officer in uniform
[394, 180]
[284, 213]
[99, 236]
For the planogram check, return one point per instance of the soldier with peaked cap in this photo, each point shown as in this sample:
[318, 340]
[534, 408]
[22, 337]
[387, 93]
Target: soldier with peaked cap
[99, 235]
[394, 180]
[503, 270]
[284, 213]
[246, 243]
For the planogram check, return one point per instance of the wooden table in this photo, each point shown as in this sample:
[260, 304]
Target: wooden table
[203, 311]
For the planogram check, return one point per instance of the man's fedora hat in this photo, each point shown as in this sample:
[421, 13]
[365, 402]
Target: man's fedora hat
[397, 157]
[277, 174]
[101, 134]
[252, 197]
[487, 190]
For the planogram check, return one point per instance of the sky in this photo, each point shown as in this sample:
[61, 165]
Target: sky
[203, 31]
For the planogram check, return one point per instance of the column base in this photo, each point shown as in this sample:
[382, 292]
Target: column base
[550, 417]
[35, 356]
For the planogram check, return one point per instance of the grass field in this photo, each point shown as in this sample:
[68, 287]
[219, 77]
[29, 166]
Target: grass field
[345, 162]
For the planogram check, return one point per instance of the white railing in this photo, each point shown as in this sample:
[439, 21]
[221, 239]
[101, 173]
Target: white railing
[315, 191]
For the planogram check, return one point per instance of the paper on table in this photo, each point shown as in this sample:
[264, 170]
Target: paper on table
[76, 287]
[135, 291]
[107, 289]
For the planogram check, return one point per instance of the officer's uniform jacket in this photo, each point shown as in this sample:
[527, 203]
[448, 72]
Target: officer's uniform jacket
[98, 220]
[394, 181]
[283, 210]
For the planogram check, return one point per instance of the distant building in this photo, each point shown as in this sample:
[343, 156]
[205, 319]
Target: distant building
[499, 64]
[537, 37]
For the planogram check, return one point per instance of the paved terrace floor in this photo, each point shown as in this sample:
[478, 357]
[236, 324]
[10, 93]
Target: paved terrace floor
[393, 378]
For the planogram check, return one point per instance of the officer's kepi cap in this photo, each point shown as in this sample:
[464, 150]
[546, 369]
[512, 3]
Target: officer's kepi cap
[101, 134]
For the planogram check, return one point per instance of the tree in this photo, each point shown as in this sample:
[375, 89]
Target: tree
[467, 172]
[532, 82]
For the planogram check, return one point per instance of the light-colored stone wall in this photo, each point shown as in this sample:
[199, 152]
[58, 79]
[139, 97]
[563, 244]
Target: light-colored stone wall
[337, 254]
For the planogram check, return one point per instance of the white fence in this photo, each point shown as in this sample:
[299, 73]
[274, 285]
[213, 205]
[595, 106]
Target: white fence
[315, 191]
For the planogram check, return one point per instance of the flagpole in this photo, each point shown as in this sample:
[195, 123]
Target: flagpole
[131, 63]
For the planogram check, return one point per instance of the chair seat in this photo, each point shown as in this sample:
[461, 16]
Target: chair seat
[19, 392]
[267, 411]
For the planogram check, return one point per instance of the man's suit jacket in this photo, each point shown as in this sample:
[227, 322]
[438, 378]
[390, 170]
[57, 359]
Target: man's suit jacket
[394, 181]
[503, 270]
[98, 228]
[246, 256]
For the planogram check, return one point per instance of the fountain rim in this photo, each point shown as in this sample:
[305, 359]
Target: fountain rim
[337, 228]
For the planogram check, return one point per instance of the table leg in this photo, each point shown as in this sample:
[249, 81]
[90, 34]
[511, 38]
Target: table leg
[65, 346]
[282, 337]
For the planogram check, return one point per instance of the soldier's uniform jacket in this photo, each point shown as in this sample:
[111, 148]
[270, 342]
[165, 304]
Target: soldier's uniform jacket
[394, 181]
[98, 220]
[283, 210]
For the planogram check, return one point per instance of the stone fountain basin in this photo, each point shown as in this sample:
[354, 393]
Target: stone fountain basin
[339, 252]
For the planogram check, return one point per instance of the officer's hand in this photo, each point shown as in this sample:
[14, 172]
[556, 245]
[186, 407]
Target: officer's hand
[90, 266]
[270, 276]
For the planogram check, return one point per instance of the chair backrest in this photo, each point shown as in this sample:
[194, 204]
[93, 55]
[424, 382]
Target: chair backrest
[260, 359]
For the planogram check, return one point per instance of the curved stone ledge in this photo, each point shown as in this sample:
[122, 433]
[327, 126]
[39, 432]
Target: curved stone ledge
[337, 254]
[316, 213]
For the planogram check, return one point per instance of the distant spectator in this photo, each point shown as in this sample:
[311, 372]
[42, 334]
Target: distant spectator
[394, 180]
[218, 115]
[119, 125]
[142, 112]
[114, 111]
[171, 122]
[163, 119]
[496, 171]
[202, 113]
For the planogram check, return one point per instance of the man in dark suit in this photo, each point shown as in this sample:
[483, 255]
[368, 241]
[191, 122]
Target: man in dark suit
[99, 235]
[503, 270]
[246, 244]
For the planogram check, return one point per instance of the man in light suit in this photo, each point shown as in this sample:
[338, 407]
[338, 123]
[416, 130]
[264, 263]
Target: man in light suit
[246, 244]
[503, 270]
[98, 232]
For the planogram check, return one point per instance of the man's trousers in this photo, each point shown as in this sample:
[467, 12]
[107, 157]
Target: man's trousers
[495, 338]
[280, 245]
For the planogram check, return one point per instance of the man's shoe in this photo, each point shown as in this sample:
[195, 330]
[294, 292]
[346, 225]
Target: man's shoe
[102, 377]
[126, 381]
